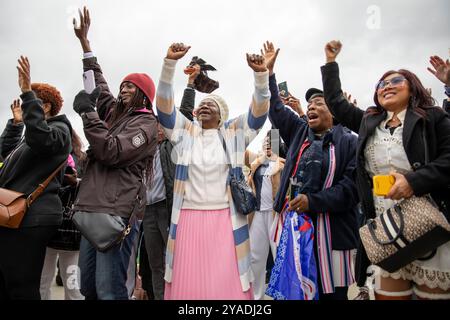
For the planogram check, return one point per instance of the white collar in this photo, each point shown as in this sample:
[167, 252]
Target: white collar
[401, 116]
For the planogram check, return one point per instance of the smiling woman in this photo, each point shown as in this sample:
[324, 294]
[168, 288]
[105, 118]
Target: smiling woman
[405, 136]
[208, 247]
[122, 134]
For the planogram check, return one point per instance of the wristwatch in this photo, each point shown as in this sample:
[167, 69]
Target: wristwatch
[191, 86]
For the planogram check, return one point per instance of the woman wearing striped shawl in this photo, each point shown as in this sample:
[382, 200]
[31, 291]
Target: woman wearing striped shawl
[208, 247]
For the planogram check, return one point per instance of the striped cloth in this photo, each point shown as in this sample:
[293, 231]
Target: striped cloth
[336, 267]
[237, 132]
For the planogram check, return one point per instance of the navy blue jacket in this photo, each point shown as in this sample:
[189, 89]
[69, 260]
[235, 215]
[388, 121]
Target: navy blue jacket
[341, 199]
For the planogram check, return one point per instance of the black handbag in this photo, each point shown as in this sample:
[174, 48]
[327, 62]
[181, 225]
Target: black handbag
[104, 231]
[67, 237]
[243, 197]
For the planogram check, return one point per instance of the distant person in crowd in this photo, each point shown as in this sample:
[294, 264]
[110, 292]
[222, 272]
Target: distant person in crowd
[208, 251]
[441, 70]
[122, 136]
[317, 181]
[64, 248]
[29, 161]
[265, 168]
[391, 142]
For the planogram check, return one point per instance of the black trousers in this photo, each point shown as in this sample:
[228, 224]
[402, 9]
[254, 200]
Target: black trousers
[22, 254]
[156, 231]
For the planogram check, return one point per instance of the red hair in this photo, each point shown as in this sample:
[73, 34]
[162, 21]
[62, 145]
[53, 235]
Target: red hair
[48, 94]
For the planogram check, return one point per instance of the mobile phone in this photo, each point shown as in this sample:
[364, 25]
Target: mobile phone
[283, 89]
[89, 81]
[382, 184]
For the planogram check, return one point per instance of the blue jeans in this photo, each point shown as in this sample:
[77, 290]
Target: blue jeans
[104, 274]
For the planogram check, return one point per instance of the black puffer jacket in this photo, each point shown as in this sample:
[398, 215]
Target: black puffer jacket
[31, 160]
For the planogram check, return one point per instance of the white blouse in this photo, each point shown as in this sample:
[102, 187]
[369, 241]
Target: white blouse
[206, 186]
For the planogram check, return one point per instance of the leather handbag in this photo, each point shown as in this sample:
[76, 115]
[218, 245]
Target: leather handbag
[407, 232]
[243, 197]
[104, 231]
[14, 205]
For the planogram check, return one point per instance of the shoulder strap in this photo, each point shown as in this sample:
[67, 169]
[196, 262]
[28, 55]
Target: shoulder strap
[36, 193]
[224, 145]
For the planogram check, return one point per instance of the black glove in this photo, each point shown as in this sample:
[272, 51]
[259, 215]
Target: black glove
[85, 102]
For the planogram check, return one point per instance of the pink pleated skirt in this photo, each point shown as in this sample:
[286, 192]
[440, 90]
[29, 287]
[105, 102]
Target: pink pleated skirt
[205, 262]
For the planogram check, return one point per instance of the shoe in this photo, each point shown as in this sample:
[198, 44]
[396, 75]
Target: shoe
[363, 294]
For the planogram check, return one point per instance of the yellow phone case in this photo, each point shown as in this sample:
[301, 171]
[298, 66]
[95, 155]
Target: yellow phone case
[382, 184]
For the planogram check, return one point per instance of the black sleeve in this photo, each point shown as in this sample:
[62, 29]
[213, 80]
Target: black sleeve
[188, 103]
[10, 137]
[345, 112]
[39, 135]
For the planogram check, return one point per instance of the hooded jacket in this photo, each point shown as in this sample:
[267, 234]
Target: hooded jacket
[31, 159]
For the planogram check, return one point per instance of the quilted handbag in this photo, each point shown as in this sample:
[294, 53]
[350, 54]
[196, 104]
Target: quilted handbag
[410, 230]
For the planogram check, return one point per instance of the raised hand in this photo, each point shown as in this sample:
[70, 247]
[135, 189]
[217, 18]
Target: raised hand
[193, 72]
[270, 55]
[294, 103]
[348, 97]
[177, 51]
[24, 74]
[16, 111]
[82, 31]
[332, 50]
[256, 62]
[441, 69]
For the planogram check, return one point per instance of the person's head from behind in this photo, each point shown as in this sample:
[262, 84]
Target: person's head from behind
[396, 90]
[212, 112]
[319, 116]
[137, 91]
[51, 98]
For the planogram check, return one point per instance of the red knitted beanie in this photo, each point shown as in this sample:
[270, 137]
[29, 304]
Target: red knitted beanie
[143, 82]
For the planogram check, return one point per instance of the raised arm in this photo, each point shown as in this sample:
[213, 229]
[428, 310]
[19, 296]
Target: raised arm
[281, 117]
[134, 143]
[441, 70]
[12, 134]
[106, 99]
[346, 113]
[260, 101]
[170, 118]
[40, 137]
[188, 101]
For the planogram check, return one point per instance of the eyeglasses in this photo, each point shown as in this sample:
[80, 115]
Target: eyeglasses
[394, 82]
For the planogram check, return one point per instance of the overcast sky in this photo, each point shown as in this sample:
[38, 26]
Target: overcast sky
[133, 36]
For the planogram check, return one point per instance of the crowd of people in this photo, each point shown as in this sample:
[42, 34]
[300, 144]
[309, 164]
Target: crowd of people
[164, 170]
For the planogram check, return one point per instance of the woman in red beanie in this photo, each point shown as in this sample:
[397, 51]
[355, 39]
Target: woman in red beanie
[122, 136]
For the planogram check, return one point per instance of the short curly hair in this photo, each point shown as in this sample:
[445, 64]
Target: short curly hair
[48, 94]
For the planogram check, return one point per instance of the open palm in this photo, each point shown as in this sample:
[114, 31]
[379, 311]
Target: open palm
[441, 69]
[270, 55]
